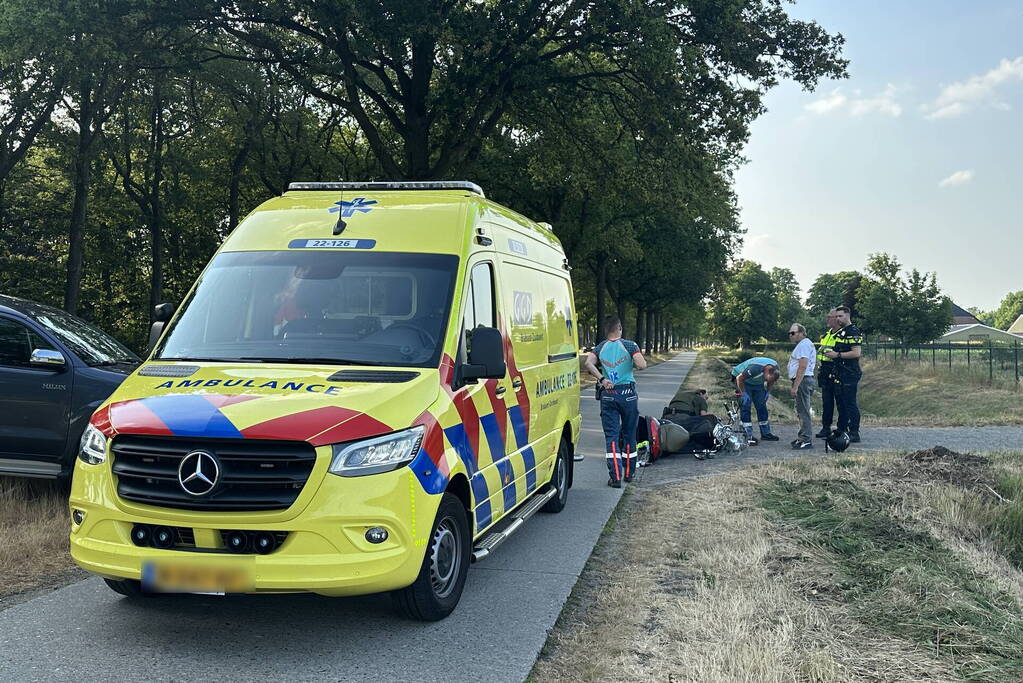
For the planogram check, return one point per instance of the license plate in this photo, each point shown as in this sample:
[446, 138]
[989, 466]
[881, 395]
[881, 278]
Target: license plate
[177, 577]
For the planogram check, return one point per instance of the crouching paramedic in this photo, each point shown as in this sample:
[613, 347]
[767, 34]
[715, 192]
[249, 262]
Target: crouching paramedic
[754, 379]
[619, 403]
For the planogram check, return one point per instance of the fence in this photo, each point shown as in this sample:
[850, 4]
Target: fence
[995, 360]
[977, 361]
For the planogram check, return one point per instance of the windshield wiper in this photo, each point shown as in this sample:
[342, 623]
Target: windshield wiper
[198, 359]
[310, 360]
[107, 363]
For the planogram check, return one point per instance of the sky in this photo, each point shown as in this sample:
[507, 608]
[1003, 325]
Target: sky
[919, 153]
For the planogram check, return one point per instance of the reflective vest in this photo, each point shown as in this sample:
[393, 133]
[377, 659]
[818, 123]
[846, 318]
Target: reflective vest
[827, 342]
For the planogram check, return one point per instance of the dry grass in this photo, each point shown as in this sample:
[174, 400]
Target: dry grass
[34, 527]
[860, 568]
[904, 394]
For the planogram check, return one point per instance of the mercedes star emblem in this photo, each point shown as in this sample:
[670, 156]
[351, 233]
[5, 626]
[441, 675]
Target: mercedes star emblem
[198, 473]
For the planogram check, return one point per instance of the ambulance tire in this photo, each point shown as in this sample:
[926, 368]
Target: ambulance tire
[436, 591]
[127, 587]
[559, 479]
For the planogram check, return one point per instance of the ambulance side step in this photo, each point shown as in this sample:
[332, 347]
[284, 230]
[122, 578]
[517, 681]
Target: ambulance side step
[492, 539]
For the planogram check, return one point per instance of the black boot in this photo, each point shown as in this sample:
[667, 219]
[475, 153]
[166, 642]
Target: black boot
[854, 437]
[823, 433]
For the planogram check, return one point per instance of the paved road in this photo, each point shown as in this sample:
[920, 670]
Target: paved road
[973, 439]
[512, 599]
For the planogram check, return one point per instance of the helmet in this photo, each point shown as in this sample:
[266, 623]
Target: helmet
[837, 441]
[673, 437]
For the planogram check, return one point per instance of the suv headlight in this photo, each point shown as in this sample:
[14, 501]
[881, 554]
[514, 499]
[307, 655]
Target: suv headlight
[380, 454]
[93, 447]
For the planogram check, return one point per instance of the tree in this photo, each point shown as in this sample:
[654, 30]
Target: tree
[833, 289]
[1008, 311]
[432, 83]
[911, 309]
[986, 317]
[882, 295]
[790, 308]
[927, 313]
[745, 306]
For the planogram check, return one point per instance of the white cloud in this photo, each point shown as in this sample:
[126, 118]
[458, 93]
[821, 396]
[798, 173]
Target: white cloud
[957, 178]
[956, 98]
[882, 103]
[753, 241]
[835, 100]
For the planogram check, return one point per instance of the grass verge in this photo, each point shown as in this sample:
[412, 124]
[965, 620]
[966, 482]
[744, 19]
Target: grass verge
[34, 527]
[888, 568]
[904, 393]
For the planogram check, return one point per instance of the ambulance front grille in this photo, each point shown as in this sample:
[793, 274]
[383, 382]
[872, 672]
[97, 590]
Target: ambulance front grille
[255, 474]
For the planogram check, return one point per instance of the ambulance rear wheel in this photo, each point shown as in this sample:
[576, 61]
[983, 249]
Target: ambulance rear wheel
[559, 480]
[438, 587]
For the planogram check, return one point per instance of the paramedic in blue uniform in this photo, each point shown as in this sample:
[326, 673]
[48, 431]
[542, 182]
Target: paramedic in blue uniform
[619, 403]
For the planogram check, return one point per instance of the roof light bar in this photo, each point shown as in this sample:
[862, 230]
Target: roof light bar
[398, 185]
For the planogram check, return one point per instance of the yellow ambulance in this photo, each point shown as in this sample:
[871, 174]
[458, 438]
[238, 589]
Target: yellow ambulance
[370, 386]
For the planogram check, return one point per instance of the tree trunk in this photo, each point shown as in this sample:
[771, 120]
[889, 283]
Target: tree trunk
[621, 312]
[156, 210]
[79, 205]
[601, 286]
[639, 326]
[649, 331]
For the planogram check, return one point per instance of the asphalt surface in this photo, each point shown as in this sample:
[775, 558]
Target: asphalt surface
[675, 468]
[512, 599]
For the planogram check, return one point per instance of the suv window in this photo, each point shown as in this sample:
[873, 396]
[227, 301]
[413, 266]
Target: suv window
[17, 343]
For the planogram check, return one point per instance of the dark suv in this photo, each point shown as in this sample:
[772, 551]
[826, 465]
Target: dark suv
[55, 370]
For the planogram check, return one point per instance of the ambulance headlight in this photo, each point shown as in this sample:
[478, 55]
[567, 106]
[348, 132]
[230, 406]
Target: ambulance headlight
[93, 447]
[380, 454]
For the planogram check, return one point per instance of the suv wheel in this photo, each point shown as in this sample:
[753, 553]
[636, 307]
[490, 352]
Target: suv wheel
[437, 589]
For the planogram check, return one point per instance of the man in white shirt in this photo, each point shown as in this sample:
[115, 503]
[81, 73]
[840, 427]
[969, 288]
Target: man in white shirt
[802, 364]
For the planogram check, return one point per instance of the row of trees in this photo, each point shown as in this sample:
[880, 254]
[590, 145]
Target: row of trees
[135, 134]
[1008, 311]
[907, 306]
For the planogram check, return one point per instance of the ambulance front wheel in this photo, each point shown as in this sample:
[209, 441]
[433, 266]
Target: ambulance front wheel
[559, 479]
[438, 587]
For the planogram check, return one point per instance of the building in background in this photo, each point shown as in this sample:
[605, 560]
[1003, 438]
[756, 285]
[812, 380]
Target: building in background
[978, 332]
[960, 316]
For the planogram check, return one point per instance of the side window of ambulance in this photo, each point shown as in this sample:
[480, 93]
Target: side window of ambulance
[479, 308]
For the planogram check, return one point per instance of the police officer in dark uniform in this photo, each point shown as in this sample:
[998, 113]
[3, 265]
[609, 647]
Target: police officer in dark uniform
[825, 377]
[846, 352]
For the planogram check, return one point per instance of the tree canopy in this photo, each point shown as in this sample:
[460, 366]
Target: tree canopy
[136, 134]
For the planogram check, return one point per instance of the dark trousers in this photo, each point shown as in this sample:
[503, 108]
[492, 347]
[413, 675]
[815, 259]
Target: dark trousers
[755, 396]
[619, 416]
[828, 398]
[848, 408]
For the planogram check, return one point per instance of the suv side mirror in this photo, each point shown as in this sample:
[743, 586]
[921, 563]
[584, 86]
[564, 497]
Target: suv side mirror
[47, 358]
[486, 355]
[161, 314]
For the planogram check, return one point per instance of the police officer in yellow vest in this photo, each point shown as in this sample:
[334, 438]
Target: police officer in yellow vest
[825, 374]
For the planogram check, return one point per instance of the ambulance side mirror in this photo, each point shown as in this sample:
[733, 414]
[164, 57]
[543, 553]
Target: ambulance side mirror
[161, 314]
[486, 355]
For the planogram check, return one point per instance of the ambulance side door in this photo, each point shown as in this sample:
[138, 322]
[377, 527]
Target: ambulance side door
[483, 406]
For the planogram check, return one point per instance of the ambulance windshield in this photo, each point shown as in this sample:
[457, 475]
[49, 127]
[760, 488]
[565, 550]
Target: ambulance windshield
[330, 307]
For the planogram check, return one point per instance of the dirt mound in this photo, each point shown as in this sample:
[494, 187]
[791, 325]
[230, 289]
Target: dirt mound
[940, 454]
[942, 464]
